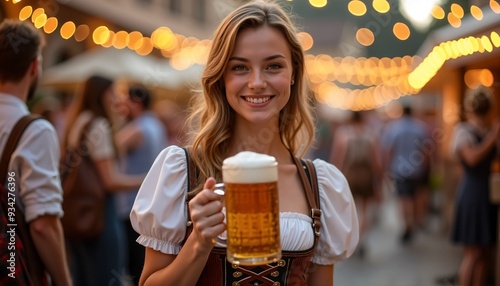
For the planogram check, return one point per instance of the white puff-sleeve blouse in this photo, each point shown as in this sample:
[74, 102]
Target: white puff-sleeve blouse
[160, 211]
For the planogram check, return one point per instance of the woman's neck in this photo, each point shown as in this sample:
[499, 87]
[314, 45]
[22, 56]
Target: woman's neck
[259, 139]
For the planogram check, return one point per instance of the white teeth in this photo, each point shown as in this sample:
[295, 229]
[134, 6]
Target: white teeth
[258, 100]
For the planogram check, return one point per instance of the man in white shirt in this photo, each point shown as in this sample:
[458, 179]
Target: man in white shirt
[35, 161]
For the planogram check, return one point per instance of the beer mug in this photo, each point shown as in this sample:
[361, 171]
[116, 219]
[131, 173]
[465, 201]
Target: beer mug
[250, 191]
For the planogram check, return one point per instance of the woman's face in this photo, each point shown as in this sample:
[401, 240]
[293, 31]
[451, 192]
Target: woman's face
[258, 75]
[111, 102]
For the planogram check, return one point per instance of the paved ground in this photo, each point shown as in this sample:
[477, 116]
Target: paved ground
[387, 262]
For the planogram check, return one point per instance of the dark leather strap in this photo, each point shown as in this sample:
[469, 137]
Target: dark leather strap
[191, 172]
[76, 151]
[315, 211]
[34, 263]
[314, 181]
[12, 141]
[311, 188]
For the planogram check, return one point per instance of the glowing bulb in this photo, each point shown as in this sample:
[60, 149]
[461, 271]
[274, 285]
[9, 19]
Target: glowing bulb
[51, 25]
[381, 6]
[357, 8]
[401, 31]
[318, 3]
[25, 13]
[476, 12]
[365, 37]
[67, 30]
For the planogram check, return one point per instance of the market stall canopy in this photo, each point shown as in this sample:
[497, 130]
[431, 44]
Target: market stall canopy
[125, 64]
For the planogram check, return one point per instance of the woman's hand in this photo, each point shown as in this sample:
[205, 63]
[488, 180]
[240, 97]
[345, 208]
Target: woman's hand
[207, 216]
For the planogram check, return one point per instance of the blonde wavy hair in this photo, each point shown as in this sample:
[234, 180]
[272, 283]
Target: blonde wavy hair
[211, 120]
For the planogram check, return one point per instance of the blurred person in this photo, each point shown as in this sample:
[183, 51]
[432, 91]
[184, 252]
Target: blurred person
[35, 160]
[139, 141]
[254, 82]
[405, 145]
[100, 260]
[172, 118]
[355, 153]
[474, 143]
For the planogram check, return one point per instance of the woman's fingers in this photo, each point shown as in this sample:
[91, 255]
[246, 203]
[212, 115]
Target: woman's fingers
[206, 212]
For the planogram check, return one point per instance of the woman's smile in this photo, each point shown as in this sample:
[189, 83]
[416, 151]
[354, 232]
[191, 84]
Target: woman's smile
[259, 100]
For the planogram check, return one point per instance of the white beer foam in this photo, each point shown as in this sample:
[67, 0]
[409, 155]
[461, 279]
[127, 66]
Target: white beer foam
[250, 167]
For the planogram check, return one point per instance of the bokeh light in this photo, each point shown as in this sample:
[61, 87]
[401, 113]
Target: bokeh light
[51, 25]
[318, 3]
[476, 12]
[438, 13]
[356, 8]
[25, 13]
[67, 30]
[401, 31]
[82, 32]
[365, 37]
[381, 6]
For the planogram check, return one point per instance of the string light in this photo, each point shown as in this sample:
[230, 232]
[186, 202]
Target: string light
[50, 25]
[365, 37]
[67, 30]
[401, 31]
[438, 13]
[25, 13]
[381, 6]
[306, 40]
[318, 3]
[382, 80]
[476, 12]
[357, 8]
[82, 32]
[495, 6]
[457, 10]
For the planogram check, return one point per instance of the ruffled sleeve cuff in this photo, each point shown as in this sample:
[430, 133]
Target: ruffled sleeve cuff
[159, 213]
[339, 221]
[158, 245]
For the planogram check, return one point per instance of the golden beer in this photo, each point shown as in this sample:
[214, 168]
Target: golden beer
[252, 209]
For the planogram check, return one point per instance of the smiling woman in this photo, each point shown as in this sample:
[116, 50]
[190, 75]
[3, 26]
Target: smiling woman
[254, 98]
[258, 77]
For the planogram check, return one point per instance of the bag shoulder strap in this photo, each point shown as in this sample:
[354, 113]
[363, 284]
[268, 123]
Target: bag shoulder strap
[83, 135]
[33, 262]
[12, 141]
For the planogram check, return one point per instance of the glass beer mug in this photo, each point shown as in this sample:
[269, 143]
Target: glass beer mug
[252, 210]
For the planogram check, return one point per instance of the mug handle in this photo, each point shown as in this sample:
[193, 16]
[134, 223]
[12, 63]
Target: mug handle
[219, 189]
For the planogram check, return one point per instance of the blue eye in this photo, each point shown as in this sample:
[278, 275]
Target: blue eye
[239, 68]
[274, 66]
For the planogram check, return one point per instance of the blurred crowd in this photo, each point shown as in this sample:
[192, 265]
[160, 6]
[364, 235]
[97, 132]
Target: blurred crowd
[399, 148]
[394, 151]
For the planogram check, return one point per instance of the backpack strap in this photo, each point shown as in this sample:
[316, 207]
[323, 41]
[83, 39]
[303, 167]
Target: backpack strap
[12, 141]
